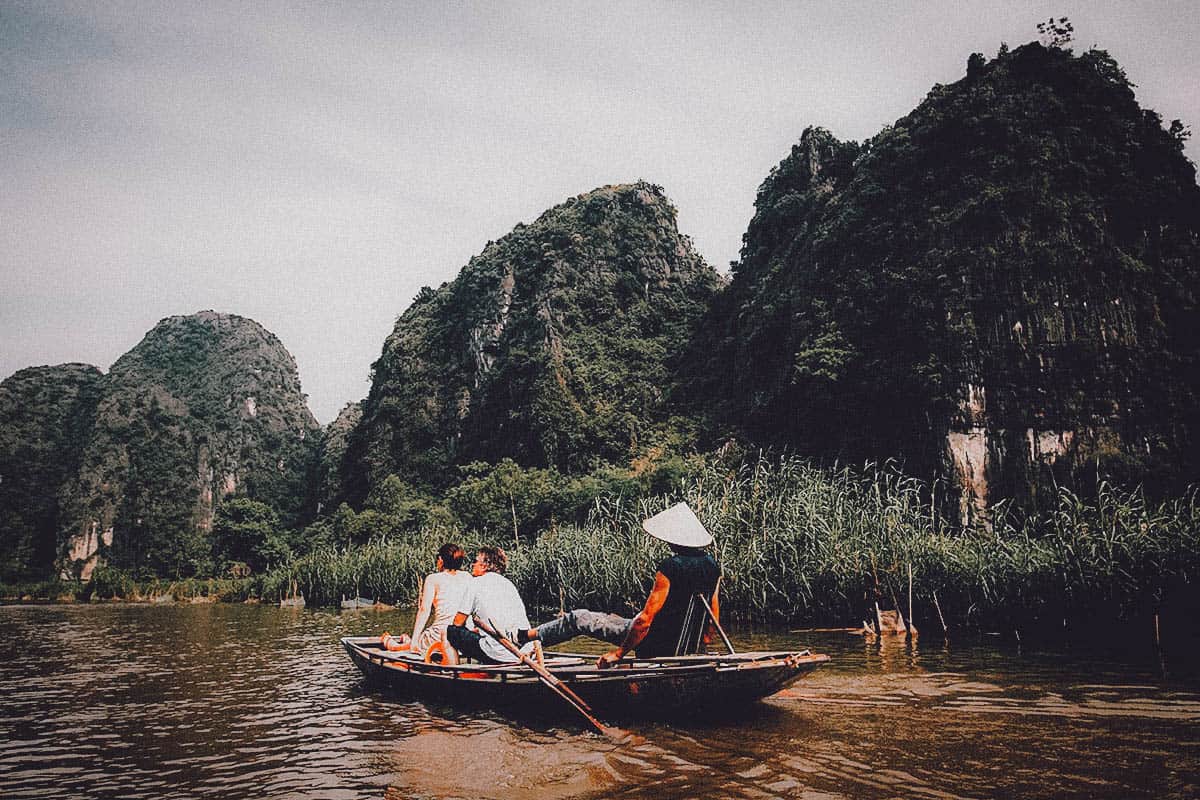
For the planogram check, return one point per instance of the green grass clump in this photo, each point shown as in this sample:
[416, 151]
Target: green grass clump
[799, 543]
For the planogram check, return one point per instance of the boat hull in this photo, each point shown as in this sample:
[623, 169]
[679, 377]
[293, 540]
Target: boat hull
[669, 686]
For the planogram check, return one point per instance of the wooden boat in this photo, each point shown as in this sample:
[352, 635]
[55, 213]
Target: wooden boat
[656, 686]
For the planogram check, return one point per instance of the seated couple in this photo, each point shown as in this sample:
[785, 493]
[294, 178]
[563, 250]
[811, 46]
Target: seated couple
[657, 630]
[450, 597]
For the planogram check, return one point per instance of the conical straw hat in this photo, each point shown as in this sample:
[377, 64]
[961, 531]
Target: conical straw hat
[678, 525]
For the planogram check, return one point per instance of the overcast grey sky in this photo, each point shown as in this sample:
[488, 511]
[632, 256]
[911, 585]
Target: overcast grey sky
[312, 166]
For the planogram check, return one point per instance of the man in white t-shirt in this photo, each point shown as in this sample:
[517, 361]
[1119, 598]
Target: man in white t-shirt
[493, 598]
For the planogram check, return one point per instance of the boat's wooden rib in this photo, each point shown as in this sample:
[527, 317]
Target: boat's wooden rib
[650, 686]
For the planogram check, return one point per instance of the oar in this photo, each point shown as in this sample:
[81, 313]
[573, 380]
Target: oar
[713, 619]
[546, 677]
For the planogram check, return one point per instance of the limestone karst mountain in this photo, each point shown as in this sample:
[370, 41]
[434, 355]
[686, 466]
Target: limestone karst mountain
[46, 415]
[999, 288]
[553, 346]
[206, 406]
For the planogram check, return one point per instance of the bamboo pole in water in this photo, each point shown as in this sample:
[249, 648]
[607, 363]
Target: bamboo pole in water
[911, 629]
[939, 610]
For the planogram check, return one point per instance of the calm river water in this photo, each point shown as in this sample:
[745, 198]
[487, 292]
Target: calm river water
[137, 701]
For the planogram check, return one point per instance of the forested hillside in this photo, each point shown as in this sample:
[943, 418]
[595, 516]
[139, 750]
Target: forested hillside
[999, 288]
[206, 407]
[327, 480]
[46, 415]
[554, 347]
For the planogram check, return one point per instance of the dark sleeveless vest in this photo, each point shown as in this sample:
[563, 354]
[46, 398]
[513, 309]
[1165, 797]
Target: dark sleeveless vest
[689, 574]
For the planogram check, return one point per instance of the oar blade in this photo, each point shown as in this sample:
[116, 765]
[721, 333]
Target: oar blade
[550, 681]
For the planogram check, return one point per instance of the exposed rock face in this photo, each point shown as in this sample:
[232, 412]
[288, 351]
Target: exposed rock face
[1000, 288]
[46, 415]
[207, 406]
[552, 346]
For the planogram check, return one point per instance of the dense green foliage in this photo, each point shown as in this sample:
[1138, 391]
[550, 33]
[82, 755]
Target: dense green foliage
[524, 501]
[248, 532]
[1020, 253]
[553, 347]
[45, 416]
[504, 501]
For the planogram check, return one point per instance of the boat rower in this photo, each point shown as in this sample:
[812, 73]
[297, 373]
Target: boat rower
[657, 629]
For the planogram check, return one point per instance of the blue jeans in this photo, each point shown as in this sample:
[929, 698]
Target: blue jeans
[466, 642]
[581, 622]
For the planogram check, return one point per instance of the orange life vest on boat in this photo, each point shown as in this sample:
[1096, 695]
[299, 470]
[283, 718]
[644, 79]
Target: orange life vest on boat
[440, 653]
[393, 643]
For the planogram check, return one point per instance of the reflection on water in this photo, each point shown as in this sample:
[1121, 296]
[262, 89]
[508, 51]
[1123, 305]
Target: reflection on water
[237, 701]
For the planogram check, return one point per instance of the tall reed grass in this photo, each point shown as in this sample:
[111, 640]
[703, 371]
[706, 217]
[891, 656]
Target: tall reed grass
[803, 544]
[386, 569]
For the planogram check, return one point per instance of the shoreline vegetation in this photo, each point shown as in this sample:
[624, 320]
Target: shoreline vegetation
[799, 544]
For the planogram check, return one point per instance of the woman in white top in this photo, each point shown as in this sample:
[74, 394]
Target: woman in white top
[441, 596]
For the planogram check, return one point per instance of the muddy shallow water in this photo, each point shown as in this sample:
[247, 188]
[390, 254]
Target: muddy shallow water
[245, 701]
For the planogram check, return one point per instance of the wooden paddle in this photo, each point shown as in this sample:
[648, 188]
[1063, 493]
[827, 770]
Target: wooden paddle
[546, 677]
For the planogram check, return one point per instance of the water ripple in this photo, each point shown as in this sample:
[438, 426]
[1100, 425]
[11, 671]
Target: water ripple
[216, 701]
